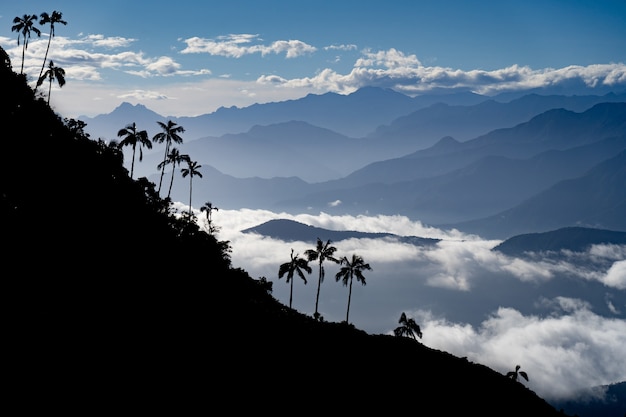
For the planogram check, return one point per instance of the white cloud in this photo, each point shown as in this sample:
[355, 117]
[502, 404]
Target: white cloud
[561, 341]
[236, 46]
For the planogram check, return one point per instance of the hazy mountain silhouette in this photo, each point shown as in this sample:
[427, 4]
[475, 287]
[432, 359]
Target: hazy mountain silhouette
[596, 199]
[122, 304]
[577, 239]
[290, 230]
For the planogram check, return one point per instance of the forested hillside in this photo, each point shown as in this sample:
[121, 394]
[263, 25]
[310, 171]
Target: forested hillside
[115, 303]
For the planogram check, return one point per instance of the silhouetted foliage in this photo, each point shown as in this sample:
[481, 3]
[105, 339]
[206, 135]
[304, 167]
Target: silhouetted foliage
[193, 170]
[171, 133]
[408, 327]
[24, 26]
[132, 137]
[322, 252]
[295, 266]
[52, 20]
[350, 269]
[517, 373]
[113, 301]
[52, 73]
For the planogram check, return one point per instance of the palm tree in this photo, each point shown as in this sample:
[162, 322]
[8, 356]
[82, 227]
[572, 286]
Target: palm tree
[348, 271]
[56, 17]
[209, 208]
[174, 158]
[169, 134]
[295, 266]
[323, 251]
[24, 26]
[131, 137]
[409, 327]
[191, 170]
[52, 73]
[514, 374]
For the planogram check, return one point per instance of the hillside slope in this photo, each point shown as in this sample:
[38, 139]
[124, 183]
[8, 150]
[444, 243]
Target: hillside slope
[116, 304]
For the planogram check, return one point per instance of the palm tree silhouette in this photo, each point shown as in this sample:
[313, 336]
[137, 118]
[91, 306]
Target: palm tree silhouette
[323, 251]
[56, 17]
[514, 374]
[209, 208]
[131, 137]
[348, 271]
[24, 26]
[52, 73]
[174, 158]
[169, 134]
[295, 266]
[192, 170]
[408, 327]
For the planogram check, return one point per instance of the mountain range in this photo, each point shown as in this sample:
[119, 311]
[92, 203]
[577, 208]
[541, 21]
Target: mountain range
[466, 161]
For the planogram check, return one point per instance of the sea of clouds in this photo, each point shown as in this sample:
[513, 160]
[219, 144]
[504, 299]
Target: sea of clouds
[562, 319]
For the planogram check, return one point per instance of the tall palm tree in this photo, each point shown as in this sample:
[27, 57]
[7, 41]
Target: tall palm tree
[132, 137]
[174, 158]
[24, 26]
[349, 270]
[295, 266]
[169, 134]
[52, 73]
[209, 208]
[408, 327]
[54, 18]
[192, 170]
[514, 374]
[322, 252]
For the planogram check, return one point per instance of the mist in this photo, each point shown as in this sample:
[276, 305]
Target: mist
[562, 319]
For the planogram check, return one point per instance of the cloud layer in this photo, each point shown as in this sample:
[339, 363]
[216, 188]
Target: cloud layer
[174, 84]
[565, 325]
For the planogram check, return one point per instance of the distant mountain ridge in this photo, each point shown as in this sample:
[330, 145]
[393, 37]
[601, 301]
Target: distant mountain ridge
[290, 230]
[400, 168]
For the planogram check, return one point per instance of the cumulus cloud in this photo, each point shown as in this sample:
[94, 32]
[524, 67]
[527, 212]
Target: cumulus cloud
[564, 354]
[238, 45]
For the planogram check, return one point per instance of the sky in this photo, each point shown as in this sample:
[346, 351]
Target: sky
[564, 324]
[189, 58]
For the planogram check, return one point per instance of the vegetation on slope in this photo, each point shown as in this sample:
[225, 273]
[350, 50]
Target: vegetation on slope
[117, 304]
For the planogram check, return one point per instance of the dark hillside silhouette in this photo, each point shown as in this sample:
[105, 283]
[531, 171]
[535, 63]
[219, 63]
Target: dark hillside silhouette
[111, 303]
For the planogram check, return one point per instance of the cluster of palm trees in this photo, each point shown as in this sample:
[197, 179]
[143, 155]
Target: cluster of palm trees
[350, 268]
[170, 134]
[25, 26]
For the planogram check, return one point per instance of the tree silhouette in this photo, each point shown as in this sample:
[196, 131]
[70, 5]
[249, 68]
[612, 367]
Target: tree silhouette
[52, 73]
[408, 327]
[131, 137]
[295, 266]
[209, 208]
[323, 251]
[514, 374]
[174, 158]
[348, 271]
[54, 18]
[169, 134]
[24, 26]
[192, 170]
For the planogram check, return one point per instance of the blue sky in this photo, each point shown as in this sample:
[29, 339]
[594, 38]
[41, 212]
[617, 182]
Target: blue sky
[195, 56]
[188, 58]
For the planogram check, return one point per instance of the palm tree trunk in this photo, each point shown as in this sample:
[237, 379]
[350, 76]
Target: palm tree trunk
[49, 89]
[169, 192]
[23, 52]
[132, 165]
[291, 293]
[163, 167]
[349, 297]
[45, 56]
[190, 183]
[317, 298]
